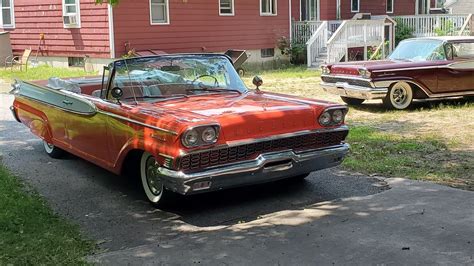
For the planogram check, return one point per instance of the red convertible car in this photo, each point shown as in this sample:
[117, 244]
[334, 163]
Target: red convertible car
[185, 123]
[418, 68]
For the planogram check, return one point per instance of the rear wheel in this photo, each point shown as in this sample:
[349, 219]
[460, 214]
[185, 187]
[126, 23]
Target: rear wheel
[399, 96]
[152, 181]
[352, 101]
[53, 151]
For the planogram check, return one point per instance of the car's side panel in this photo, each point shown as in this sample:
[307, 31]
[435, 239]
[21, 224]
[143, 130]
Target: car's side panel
[458, 76]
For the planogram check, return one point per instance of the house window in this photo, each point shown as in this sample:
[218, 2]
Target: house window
[159, 12]
[390, 6]
[268, 52]
[71, 14]
[226, 7]
[355, 5]
[76, 61]
[268, 7]
[7, 19]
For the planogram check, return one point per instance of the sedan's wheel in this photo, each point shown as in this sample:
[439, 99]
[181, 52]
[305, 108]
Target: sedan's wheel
[399, 96]
[151, 180]
[352, 101]
[53, 151]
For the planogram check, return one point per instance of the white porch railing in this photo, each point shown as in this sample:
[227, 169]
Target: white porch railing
[303, 30]
[433, 25]
[354, 33]
[317, 43]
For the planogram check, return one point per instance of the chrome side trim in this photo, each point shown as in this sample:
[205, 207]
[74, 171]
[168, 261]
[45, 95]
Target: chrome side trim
[230, 144]
[12, 109]
[407, 69]
[428, 93]
[137, 122]
[346, 77]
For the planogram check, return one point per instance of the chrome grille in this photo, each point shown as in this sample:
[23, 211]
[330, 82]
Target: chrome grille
[250, 151]
[356, 82]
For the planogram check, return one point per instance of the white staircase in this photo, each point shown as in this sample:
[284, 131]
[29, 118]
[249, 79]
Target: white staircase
[316, 46]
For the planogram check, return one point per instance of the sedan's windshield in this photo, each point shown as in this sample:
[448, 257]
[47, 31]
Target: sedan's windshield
[165, 77]
[419, 50]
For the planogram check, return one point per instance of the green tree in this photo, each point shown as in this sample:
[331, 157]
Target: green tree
[112, 2]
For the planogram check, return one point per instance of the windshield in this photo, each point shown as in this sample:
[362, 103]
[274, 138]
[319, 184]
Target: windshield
[419, 50]
[163, 77]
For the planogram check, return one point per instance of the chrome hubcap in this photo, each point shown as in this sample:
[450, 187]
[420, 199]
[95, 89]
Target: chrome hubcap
[152, 177]
[399, 95]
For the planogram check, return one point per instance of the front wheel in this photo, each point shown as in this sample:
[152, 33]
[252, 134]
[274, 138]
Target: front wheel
[152, 181]
[399, 96]
[53, 151]
[352, 101]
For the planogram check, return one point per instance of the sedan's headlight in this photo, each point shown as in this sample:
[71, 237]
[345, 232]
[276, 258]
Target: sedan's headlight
[209, 135]
[325, 70]
[332, 117]
[364, 73]
[200, 136]
[190, 138]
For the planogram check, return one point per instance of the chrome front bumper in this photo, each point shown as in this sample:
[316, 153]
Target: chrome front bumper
[353, 91]
[265, 168]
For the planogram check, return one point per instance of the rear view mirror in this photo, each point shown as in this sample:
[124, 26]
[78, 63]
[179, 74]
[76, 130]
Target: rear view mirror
[257, 81]
[117, 93]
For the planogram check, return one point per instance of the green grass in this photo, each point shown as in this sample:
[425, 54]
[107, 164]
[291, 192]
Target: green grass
[289, 72]
[42, 72]
[30, 233]
[427, 157]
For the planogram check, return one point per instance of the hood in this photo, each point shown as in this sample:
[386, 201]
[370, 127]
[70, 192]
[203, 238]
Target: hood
[249, 115]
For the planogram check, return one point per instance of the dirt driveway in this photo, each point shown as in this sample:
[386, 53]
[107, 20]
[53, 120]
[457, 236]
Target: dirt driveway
[333, 217]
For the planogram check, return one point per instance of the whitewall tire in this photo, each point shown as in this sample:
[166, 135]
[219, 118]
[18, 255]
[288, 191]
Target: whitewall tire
[152, 183]
[53, 151]
[399, 96]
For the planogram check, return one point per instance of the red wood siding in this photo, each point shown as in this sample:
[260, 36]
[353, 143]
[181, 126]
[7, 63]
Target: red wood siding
[45, 16]
[375, 7]
[295, 10]
[196, 26]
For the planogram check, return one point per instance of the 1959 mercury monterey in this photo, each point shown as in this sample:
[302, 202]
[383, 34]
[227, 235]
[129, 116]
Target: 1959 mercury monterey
[432, 67]
[186, 123]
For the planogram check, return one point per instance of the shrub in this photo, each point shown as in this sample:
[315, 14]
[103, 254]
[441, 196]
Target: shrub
[403, 32]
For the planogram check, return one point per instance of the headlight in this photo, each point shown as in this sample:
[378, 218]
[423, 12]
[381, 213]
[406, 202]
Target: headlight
[325, 70]
[200, 136]
[190, 138]
[364, 73]
[332, 116]
[325, 118]
[209, 135]
[337, 116]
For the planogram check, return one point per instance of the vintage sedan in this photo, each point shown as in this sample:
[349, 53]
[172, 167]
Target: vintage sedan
[182, 123]
[419, 68]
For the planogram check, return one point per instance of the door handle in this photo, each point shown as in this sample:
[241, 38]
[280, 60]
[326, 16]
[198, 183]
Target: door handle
[66, 102]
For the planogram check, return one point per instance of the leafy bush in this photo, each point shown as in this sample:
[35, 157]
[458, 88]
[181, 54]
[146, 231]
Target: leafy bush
[403, 32]
[446, 29]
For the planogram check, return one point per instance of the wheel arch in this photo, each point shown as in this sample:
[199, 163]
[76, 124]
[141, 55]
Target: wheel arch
[419, 91]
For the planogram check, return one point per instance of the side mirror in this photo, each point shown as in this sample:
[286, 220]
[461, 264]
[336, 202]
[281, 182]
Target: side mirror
[257, 81]
[117, 93]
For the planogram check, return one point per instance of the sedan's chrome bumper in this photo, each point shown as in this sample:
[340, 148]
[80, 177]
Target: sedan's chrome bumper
[353, 91]
[265, 168]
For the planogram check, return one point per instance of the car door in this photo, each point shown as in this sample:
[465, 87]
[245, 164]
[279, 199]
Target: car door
[86, 129]
[457, 75]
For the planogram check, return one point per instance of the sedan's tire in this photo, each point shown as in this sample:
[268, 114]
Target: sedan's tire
[399, 96]
[152, 183]
[53, 151]
[352, 101]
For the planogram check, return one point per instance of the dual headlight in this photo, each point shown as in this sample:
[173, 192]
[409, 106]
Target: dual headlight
[364, 73]
[325, 70]
[200, 136]
[332, 117]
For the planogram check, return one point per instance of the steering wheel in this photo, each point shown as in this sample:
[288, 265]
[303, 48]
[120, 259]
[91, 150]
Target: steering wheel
[216, 82]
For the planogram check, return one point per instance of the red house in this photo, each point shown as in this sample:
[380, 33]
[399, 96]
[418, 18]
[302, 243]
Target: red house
[63, 32]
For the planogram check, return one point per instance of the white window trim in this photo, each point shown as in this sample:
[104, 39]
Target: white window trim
[268, 14]
[393, 7]
[167, 4]
[78, 15]
[12, 15]
[358, 6]
[225, 14]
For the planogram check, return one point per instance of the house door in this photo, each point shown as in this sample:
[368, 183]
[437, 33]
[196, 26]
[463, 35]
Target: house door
[422, 6]
[310, 10]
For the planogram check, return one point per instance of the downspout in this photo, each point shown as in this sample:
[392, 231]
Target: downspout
[289, 16]
[111, 31]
